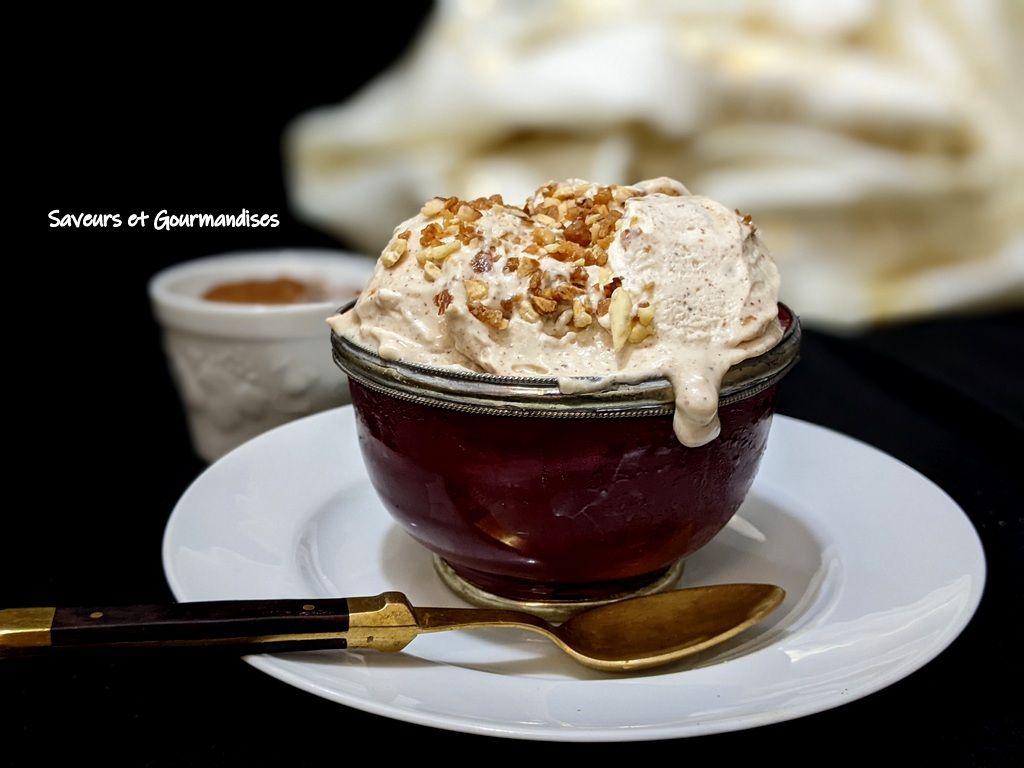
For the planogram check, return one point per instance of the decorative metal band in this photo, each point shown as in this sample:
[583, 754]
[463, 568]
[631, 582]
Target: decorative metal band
[483, 393]
[24, 629]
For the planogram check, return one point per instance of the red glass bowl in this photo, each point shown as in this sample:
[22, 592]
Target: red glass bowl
[528, 495]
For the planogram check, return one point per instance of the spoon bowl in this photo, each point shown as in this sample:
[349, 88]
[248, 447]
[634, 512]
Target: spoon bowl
[633, 634]
[637, 633]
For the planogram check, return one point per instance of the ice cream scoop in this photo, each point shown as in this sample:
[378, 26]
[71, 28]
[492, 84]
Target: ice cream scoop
[587, 283]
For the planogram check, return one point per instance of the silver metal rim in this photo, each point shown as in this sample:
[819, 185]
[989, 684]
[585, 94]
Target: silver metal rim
[552, 610]
[482, 393]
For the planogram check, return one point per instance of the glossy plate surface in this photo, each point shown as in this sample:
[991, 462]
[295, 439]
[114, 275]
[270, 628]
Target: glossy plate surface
[882, 572]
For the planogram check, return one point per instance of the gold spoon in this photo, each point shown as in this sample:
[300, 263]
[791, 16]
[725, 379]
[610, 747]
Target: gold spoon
[636, 633]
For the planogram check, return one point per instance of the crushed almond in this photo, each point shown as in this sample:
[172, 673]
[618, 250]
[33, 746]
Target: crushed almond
[620, 316]
[431, 271]
[433, 207]
[394, 252]
[476, 290]
[581, 318]
[561, 260]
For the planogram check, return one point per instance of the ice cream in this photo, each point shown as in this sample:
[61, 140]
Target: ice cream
[586, 283]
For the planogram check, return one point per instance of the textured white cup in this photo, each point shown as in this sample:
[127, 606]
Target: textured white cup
[242, 369]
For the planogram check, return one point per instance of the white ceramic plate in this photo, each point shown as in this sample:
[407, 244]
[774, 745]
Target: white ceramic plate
[882, 571]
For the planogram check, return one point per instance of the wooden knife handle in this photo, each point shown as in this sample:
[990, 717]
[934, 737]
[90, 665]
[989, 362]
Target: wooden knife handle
[257, 626]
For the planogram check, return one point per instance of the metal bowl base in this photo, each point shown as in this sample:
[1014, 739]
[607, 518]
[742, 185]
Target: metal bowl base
[552, 610]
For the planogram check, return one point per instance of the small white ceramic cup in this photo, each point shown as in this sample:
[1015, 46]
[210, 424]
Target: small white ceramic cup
[242, 369]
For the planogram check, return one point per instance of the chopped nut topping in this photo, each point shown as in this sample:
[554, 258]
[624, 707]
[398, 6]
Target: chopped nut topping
[431, 234]
[581, 318]
[492, 317]
[476, 290]
[543, 304]
[747, 219]
[564, 292]
[439, 252]
[620, 316]
[638, 333]
[527, 266]
[433, 207]
[393, 253]
[431, 271]
[527, 312]
[611, 286]
[560, 239]
[442, 301]
[482, 262]
[578, 232]
[544, 236]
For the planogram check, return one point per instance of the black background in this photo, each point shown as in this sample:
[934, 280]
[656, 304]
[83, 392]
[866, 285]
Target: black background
[179, 116]
[117, 116]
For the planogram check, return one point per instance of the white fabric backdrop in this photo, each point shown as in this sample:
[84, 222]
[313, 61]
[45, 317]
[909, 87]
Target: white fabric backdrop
[878, 145]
